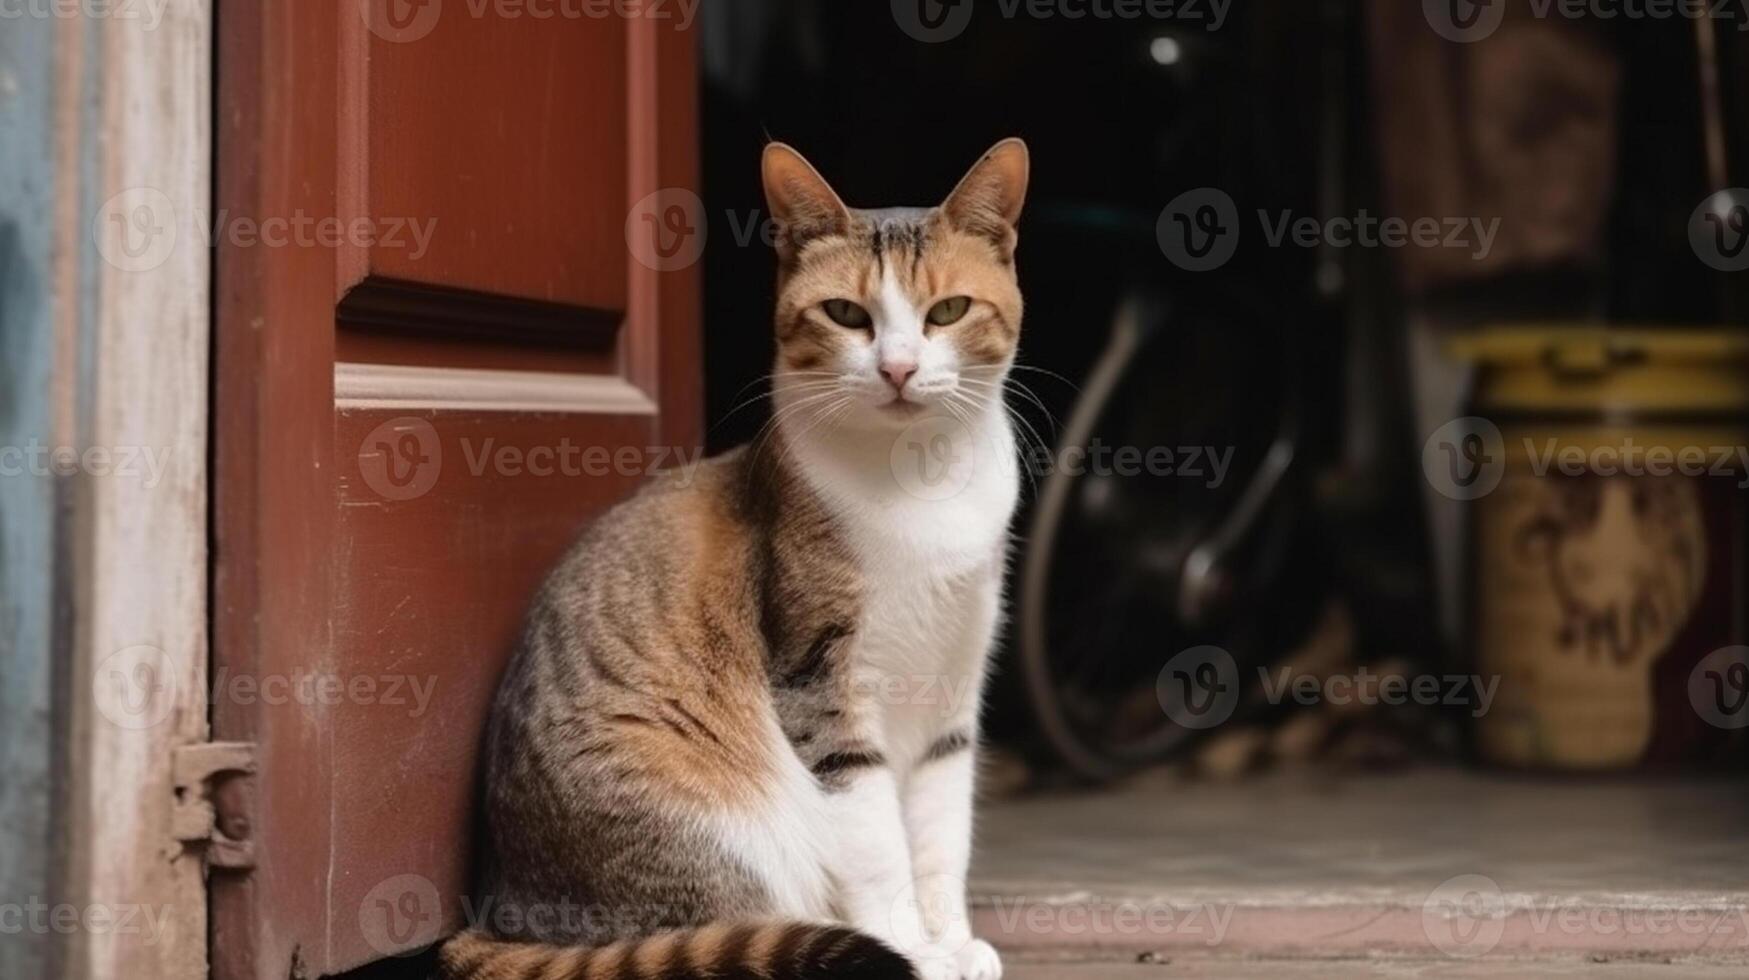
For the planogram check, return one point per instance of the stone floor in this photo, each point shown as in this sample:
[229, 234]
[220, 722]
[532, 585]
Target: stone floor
[1429, 873]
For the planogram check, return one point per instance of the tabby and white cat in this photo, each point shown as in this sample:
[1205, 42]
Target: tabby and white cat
[737, 739]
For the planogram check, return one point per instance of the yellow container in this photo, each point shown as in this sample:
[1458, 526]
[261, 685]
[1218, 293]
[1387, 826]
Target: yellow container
[1608, 586]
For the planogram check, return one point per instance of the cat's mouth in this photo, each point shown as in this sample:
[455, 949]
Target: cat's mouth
[900, 405]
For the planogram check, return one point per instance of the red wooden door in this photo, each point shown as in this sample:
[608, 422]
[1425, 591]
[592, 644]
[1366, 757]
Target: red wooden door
[438, 353]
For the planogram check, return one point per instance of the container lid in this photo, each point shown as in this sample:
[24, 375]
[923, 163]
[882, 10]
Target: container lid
[1616, 372]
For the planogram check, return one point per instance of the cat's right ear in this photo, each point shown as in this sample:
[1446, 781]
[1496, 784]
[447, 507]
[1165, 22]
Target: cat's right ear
[803, 205]
[988, 199]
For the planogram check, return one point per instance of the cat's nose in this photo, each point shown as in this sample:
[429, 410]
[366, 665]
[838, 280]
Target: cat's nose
[898, 372]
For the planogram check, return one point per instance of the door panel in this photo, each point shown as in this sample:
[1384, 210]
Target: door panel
[431, 593]
[510, 134]
[405, 443]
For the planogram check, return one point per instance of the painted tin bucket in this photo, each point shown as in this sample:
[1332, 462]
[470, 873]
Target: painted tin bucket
[1608, 582]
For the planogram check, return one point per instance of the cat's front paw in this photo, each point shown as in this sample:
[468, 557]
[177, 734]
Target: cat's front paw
[978, 961]
[936, 969]
[975, 960]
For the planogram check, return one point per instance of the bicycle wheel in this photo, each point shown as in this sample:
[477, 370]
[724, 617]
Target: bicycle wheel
[1126, 566]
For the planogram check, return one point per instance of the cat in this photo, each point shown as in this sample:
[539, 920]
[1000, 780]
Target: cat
[737, 737]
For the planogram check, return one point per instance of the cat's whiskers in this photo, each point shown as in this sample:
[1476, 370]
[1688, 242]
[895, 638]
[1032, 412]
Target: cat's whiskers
[788, 446]
[1017, 386]
[1027, 437]
[774, 375]
[785, 411]
[771, 428]
[802, 387]
[1030, 432]
[1046, 372]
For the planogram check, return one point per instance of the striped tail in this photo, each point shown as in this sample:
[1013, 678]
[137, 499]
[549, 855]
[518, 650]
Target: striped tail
[772, 951]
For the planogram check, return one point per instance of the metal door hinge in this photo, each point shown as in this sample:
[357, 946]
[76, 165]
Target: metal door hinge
[215, 801]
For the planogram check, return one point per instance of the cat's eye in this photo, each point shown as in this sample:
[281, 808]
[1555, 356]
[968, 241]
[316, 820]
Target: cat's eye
[847, 314]
[949, 310]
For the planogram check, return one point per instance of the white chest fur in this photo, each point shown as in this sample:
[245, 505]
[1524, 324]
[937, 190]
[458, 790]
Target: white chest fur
[933, 552]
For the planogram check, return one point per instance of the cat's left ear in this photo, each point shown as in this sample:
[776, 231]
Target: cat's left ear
[804, 206]
[989, 197]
